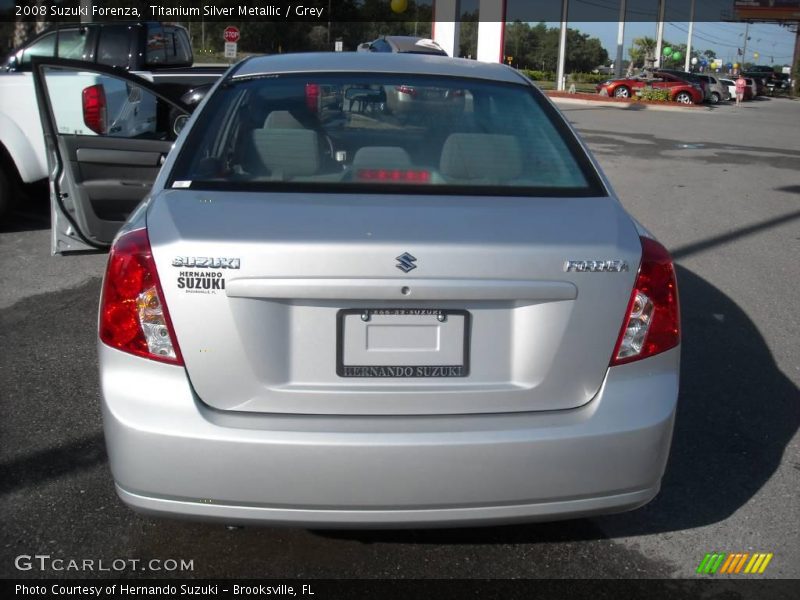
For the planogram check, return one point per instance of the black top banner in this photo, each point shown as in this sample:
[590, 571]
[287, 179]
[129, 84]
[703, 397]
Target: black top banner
[324, 11]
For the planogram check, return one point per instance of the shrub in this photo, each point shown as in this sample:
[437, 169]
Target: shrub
[588, 77]
[654, 95]
[539, 75]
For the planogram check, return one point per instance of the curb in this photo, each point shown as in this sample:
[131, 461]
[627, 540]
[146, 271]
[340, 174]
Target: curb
[588, 100]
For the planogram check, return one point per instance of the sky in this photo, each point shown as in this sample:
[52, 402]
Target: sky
[770, 41]
[775, 44]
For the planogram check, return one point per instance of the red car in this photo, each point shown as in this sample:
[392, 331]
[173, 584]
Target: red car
[680, 90]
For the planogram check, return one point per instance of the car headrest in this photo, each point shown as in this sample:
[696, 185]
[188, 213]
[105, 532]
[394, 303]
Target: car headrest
[481, 156]
[286, 152]
[282, 119]
[381, 157]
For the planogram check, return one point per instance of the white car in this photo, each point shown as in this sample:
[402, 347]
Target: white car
[731, 85]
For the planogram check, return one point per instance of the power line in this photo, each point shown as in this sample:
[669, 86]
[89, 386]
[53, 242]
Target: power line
[699, 36]
[759, 50]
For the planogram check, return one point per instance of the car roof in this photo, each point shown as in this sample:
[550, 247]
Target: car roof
[375, 62]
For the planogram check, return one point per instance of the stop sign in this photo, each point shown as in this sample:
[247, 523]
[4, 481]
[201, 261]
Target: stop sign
[231, 34]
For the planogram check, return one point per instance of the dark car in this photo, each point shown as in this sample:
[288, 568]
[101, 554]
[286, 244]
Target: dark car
[780, 83]
[404, 44]
[762, 79]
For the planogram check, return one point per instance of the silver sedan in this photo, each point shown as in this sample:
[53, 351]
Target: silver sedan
[323, 314]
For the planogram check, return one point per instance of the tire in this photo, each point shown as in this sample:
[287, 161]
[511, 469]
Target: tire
[622, 92]
[684, 98]
[715, 98]
[5, 194]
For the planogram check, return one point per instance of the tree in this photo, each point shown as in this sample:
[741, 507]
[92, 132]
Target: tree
[642, 51]
[468, 40]
[584, 53]
[537, 48]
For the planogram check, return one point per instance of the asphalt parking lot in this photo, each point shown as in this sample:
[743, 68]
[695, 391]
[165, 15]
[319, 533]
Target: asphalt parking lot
[721, 188]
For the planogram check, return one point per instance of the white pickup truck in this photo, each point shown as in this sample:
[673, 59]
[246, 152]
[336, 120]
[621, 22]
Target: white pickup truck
[158, 54]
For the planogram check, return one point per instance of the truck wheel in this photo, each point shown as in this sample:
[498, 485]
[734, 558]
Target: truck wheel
[5, 194]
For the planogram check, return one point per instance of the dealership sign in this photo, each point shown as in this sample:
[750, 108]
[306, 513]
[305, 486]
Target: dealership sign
[767, 10]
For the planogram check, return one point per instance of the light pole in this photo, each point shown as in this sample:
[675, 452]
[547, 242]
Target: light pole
[689, 41]
[562, 46]
[662, 7]
[620, 39]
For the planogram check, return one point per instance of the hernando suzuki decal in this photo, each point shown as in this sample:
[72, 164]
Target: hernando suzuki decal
[201, 282]
[204, 281]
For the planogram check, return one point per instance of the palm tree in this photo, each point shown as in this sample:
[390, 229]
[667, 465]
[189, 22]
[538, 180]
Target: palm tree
[643, 52]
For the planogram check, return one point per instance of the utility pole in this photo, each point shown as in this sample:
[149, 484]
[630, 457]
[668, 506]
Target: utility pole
[620, 39]
[562, 46]
[744, 47]
[689, 41]
[662, 7]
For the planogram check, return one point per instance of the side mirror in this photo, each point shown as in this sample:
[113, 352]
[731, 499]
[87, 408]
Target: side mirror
[11, 63]
[179, 124]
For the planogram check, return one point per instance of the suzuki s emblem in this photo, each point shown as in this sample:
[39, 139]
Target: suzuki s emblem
[405, 262]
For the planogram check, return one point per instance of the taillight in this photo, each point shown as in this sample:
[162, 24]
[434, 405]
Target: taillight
[398, 175]
[406, 89]
[133, 315]
[94, 108]
[653, 322]
[312, 97]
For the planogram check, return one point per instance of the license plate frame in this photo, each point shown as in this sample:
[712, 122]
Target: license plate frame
[402, 371]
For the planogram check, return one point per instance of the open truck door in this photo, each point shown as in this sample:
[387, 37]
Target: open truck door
[107, 133]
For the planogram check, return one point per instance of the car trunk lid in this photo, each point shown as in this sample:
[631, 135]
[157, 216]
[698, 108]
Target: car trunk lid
[274, 296]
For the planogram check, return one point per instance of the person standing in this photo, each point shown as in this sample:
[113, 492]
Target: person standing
[740, 85]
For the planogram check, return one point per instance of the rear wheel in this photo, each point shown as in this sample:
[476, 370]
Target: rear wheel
[684, 98]
[622, 92]
[715, 98]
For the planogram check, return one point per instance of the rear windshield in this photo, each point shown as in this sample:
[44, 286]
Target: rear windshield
[331, 132]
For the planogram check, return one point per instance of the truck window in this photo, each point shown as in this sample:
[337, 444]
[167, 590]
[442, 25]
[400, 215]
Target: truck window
[44, 46]
[72, 44]
[155, 50]
[167, 46]
[113, 48]
[380, 46]
[182, 47]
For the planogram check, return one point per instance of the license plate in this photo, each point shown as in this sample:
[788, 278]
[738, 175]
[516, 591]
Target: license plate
[402, 343]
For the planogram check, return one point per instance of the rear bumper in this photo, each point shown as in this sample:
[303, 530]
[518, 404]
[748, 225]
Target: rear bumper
[172, 455]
